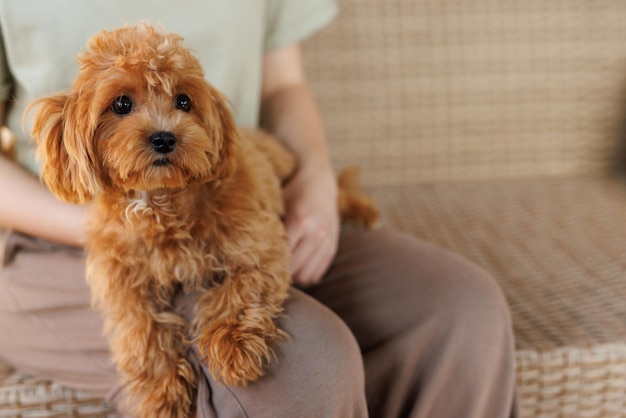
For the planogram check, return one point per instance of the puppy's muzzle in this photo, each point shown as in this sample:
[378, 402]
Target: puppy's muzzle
[163, 142]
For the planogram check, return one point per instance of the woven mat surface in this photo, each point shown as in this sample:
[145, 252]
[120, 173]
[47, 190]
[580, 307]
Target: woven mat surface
[557, 246]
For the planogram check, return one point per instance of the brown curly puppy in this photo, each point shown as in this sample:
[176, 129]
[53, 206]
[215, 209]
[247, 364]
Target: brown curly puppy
[182, 200]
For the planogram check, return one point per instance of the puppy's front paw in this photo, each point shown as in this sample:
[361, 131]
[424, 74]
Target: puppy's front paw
[237, 356]
[171, 395]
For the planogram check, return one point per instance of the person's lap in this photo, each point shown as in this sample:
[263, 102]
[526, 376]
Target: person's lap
[395, 293]
[46, 323]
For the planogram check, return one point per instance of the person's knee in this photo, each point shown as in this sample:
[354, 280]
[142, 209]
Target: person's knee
[325, 357]
[476, 312]
[479, 298]
[457, 291]
[332, 355]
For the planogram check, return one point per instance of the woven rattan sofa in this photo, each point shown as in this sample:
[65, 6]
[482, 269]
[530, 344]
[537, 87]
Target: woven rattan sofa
[494, 128]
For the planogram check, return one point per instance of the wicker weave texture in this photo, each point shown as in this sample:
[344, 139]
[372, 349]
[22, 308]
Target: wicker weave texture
[557, 245]
[558, 248]
[22, 396]
[573, 382]
[422, 91]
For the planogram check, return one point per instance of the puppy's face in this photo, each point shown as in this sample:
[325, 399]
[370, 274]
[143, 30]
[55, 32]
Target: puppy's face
[140, 116]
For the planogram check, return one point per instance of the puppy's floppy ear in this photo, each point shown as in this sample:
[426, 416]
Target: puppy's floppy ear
[63, 134]
[220, 125]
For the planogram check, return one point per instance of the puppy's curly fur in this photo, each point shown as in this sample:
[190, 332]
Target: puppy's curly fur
[182, 201]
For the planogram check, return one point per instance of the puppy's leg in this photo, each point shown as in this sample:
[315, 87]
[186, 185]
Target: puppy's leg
[235, 324]
[236, 346]
[149, 349]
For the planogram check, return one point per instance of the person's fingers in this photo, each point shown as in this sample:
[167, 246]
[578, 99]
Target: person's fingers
[294, 232]
[313, 269]
[313, 255]
[303, 251]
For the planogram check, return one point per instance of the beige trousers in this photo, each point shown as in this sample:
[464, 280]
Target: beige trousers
[398, 328]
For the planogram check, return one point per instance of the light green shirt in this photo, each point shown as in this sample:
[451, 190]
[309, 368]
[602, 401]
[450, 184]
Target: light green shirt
[41, 38]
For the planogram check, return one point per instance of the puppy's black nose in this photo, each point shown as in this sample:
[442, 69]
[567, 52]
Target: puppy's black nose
[163, 142]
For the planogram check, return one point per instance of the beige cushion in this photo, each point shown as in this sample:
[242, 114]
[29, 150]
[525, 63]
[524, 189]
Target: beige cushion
[558, 248]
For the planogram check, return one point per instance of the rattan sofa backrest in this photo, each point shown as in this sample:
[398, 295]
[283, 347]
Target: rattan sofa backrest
[420, 91]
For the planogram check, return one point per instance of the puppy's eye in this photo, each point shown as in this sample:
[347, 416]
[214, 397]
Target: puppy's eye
[122, 105]
[183, 102]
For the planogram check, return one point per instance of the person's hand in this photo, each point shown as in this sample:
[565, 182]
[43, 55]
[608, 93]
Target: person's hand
[311, 222]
